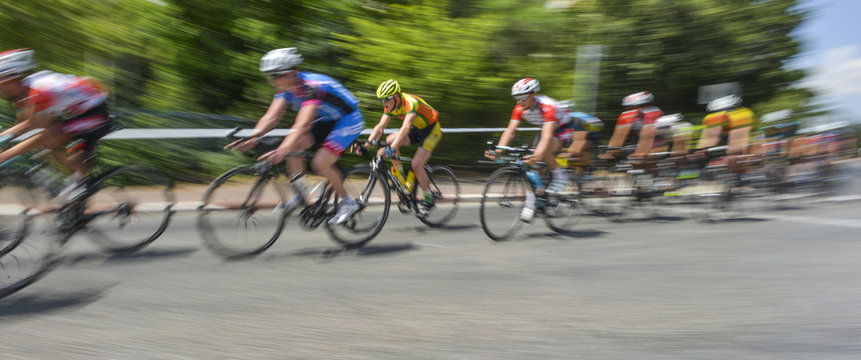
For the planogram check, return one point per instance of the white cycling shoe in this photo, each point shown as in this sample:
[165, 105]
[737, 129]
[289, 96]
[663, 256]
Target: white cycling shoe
[344, 212]
[527, 214]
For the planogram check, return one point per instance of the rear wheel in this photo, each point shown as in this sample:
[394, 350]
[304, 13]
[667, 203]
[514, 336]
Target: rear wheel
[372, 194]
[501, 203]
[242, 213]
[131, 207]
[446, 192]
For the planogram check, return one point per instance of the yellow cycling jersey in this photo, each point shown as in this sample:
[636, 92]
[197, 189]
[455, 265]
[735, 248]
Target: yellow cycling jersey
[731, 119]
[425, 114]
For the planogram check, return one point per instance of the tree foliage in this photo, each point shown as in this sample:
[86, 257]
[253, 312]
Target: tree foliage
[461, 56]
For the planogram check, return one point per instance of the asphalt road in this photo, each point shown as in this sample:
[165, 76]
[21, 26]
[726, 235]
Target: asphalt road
[781, 285]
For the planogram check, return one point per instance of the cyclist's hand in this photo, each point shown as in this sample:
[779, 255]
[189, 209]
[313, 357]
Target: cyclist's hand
[389, 152]
[530, 159]
[242, 145]
[274, 157]
[490, 154]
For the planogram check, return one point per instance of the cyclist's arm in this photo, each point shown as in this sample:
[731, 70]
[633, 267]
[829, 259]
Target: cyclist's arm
[546, 137]
[578, 143]
[710, 137]
[508, 135]
[380, 128]
[404, 131]
[620, 133]
[647, 139]
[738, 140]
[269, 120]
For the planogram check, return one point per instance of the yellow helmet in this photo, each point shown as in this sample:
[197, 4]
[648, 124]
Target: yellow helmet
[388, 88]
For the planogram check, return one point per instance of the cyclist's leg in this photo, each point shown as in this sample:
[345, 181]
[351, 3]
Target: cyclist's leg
[427, 144]
[345, 131]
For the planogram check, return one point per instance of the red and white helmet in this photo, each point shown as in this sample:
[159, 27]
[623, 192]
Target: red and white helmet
[17, 62]
[637, 99]
[525, 86]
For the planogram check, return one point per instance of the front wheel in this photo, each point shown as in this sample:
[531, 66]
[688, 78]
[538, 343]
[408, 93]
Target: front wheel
[130, 207]
[371, 192]
[242, 213]
[501, 203]
[446, 192]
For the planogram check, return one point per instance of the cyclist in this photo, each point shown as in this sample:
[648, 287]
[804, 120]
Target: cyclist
[326, 114]
[729, 122]
[556, 129]
[420, 126]
[637, 120]
[585, 136]
[67, 107]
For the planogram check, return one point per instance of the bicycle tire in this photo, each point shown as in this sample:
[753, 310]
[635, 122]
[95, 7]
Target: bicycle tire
[33, 257]
[446, 192]
[562, 213]
[128, 208]
[372, 193]
[503, 198]
[233, 222]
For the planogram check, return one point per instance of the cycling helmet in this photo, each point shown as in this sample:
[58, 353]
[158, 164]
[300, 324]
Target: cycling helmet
[637, 99]
[280, 61]
[16, 62]
[566, 105]
[388, 88]
[669, 120]
[724, 103]
[525, 86]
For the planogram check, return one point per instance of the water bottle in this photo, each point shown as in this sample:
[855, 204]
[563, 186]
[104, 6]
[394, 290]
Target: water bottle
[411, 181]
[398, 176]
[535, 179]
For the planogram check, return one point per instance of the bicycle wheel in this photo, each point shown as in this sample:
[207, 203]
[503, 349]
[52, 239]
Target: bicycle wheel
[129, 208]
[242, 213]
[372, 193]
[446, 192]
[35, 254]
[503, 198]
[562, 213]
[15, 216]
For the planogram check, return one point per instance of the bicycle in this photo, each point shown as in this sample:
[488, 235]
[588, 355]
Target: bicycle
[245, 209]
[122, 209]
[505, 194]
[444, 187]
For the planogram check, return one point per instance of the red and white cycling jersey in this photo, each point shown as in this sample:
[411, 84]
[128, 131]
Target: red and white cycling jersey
[641, 116]
[544, 111]
[64, 96]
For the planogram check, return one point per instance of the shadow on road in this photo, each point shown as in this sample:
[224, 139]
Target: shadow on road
[144, 255]
[47, 302]
[329, 253]
[580, 234]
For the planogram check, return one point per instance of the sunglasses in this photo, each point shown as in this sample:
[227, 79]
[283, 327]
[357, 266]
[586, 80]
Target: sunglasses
[521, 97]
[386, 99]
[274, 76]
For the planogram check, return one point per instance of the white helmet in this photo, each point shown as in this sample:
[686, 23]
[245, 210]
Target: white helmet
[669, 120]
[16, 62]
[637, 99]
[525, 86]
[566, 105]
[723, 103]
[280, 61]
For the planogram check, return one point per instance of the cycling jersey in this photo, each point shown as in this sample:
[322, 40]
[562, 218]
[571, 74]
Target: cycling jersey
[585, 122]
[63, 96]
[730, 119]
[639, 117]
[334, 104]
[544, 111]
[333, 100]
[425, 114]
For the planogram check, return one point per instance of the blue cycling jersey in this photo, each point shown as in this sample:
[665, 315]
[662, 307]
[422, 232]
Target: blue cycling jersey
[585, 122]
[333, 100]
